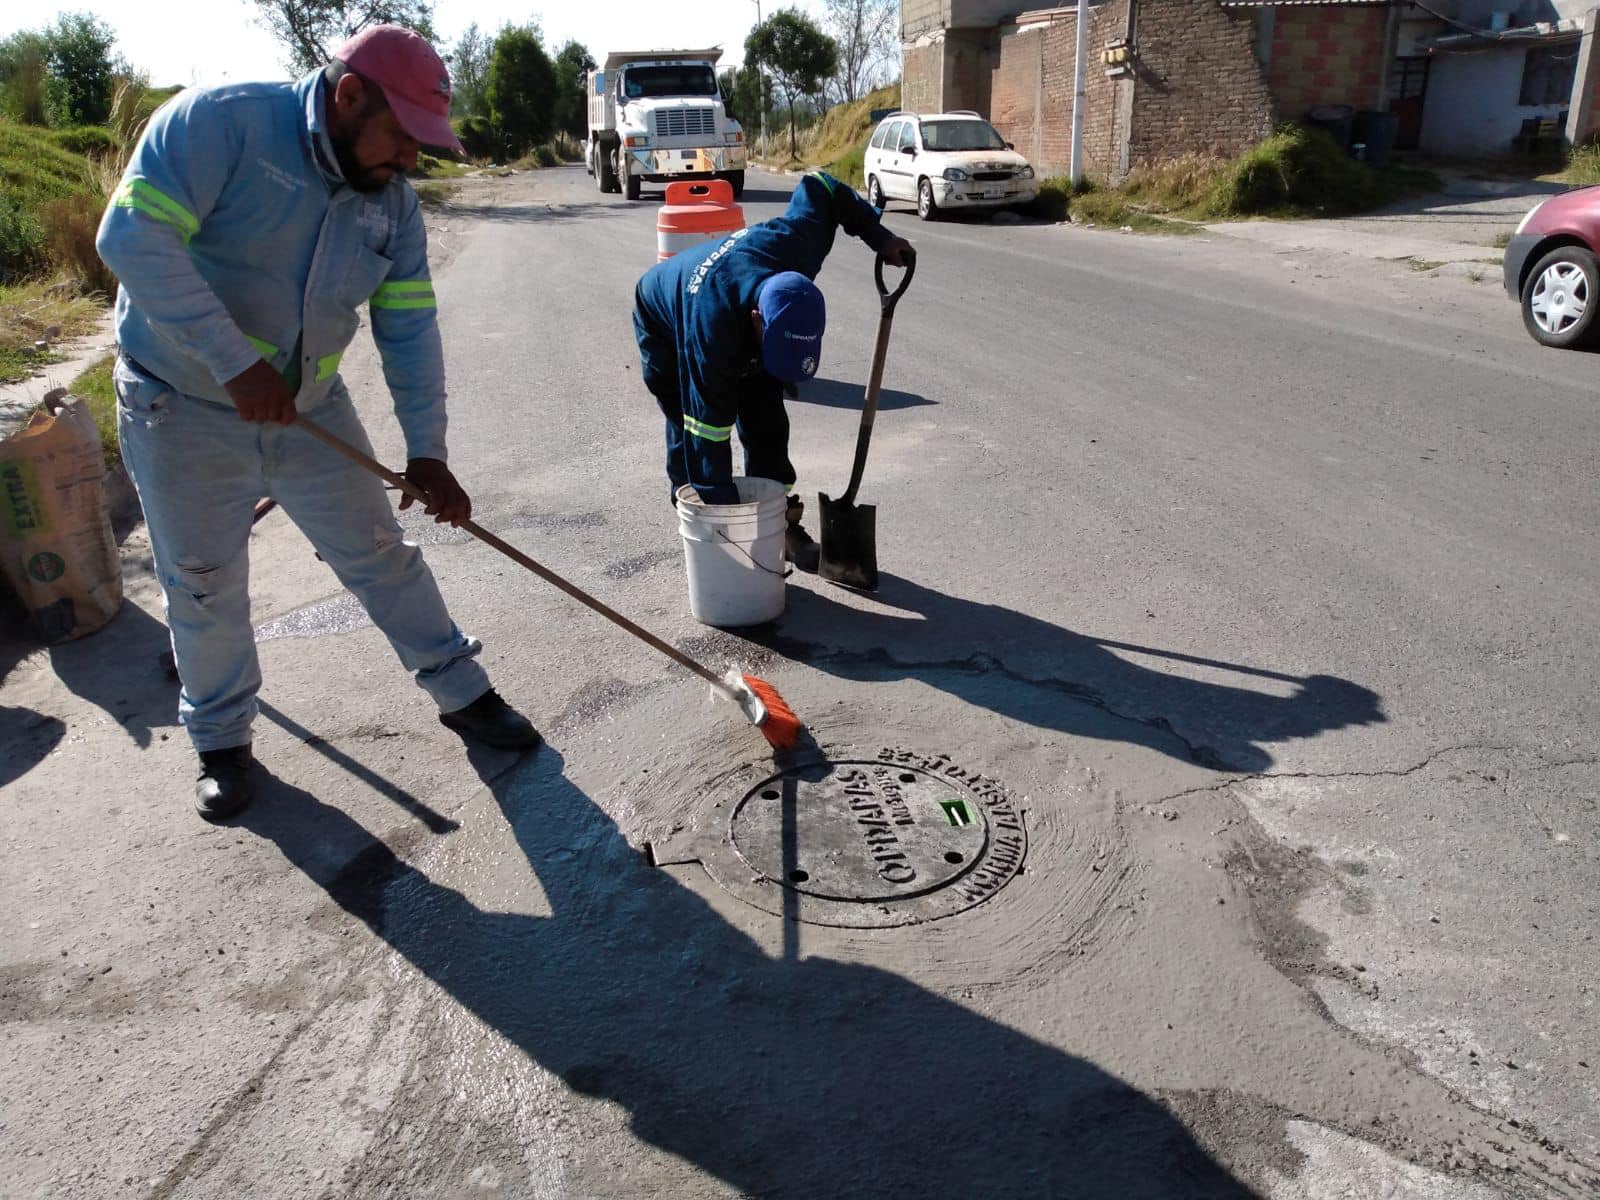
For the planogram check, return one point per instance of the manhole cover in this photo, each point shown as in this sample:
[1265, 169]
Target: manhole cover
[864, 842]
[860, 831]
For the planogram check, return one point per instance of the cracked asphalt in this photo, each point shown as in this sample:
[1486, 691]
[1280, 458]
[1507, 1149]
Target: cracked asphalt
[1259, 581]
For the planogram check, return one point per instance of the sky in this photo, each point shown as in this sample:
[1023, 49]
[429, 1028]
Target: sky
[200, 42]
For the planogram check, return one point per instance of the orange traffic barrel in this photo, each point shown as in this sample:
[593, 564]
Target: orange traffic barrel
[696, 213]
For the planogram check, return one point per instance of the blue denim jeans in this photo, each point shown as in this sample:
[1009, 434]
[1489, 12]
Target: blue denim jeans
[199, 470]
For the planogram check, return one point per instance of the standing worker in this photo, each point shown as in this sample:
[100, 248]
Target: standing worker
[252, 223]
[723, 328]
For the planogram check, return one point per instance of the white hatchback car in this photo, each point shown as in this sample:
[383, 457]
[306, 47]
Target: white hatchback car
[947, 160]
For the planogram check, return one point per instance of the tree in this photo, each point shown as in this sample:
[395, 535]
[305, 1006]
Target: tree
[866, 33]
[797, 55]
[742, 91]
[311, 30]
[469, 72]
[572, 65]
[521, 90]
[25, 76]
[81, 70]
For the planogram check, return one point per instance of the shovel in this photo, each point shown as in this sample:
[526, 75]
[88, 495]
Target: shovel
[849, 530]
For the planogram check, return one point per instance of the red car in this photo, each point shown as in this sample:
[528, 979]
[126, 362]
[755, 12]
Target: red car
[1550, 269]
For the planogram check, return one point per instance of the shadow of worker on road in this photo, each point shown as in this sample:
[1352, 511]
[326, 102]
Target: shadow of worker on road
[1032, 671]
[782, 1077]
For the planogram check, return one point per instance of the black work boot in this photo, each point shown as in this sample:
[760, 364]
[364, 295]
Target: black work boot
[798, 547]
[493, 722]
[224, 785]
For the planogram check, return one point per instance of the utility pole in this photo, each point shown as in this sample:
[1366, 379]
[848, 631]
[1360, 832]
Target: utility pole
[1079, 89]
[761, 90]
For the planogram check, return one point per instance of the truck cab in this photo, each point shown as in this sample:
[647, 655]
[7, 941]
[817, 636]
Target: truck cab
[657, 116]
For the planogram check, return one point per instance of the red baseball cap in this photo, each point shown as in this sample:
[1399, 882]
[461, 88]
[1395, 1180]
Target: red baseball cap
[413, 78]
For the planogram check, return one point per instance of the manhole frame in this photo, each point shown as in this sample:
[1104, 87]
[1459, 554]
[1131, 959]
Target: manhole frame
[711, 844]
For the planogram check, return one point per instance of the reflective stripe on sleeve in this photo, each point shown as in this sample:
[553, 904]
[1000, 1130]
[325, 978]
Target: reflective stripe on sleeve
[156, 204]
[406, 293]
[328, 365]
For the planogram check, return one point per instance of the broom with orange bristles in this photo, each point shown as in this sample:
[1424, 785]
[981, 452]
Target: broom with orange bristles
[756, 698]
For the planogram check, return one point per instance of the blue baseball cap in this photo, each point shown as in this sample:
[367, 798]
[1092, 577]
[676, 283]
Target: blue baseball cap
[794, 314]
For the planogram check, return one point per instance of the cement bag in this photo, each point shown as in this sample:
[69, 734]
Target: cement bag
[57, 550]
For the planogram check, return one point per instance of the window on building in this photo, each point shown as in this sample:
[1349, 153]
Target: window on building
[1547, 74]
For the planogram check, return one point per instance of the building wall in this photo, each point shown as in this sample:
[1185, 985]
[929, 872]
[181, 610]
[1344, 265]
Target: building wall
[922, 76]
[1199, 84]
[1031, 90]
[968, 67]
[1472, 107]
[1326, 56]
[920, 17]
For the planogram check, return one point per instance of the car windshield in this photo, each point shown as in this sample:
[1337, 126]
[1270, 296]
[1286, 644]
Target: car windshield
[961, 135]
[689, 79]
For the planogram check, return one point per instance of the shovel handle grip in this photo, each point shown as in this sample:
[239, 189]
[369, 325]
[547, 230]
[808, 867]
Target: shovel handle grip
[887, 298]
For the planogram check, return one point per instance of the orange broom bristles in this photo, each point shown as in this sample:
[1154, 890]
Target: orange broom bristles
[781, 727]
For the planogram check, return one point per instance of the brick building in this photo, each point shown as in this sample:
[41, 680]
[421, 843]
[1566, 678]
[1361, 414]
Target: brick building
[1165, 76]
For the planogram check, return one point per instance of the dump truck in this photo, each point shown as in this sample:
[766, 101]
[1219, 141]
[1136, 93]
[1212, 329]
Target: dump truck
[657, 116]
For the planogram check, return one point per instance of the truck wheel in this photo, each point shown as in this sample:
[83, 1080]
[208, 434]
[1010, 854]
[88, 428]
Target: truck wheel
[630, 182]
[603, 174]
[736, 181]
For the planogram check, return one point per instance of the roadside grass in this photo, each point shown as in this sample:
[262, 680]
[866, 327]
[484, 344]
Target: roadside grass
[1501, 240]
[1582, 167]
[28, 311]
[563, 148]
[1425, 264]
[1295, 173]
[429, 167]
[838, 142]
[433, 193]
[94, 385]
[36, 172]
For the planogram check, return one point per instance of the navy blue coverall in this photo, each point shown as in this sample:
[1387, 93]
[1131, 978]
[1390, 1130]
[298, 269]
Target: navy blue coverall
[699, 349]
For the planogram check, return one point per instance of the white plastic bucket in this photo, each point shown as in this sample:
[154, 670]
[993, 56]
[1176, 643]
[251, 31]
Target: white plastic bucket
[734, 553]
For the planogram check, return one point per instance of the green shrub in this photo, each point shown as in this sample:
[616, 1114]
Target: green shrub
[85, 139]
[1296, 170]
[1053, 200]
[69, 227]
[22, 251]
[477, 137]
[850, 167]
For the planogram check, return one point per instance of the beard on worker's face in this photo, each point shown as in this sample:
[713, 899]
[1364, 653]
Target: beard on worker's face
[362, 179]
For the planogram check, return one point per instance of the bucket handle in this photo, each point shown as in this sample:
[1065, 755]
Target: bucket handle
[758, 566]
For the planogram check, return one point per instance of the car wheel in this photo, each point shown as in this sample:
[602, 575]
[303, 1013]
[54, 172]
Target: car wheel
[1561, 298]
[874, 193]
[926, 208]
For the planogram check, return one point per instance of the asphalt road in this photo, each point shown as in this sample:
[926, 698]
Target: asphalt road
[1264, 583]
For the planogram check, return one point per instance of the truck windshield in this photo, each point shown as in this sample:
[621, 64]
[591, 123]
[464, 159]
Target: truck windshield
[677, 79]
[961, 135]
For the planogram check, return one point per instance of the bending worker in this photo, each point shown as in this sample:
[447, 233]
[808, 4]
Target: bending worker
[722, 328]
[252, 223]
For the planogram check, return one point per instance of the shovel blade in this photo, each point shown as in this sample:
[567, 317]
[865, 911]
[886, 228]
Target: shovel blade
[849, 543]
